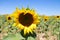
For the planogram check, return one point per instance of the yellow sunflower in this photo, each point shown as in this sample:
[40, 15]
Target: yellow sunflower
[46, 18]
[57, 17]
[8, 18]
[25, 20]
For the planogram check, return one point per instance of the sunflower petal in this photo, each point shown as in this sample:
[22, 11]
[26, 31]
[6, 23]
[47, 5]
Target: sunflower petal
[21, 27]
[25, 30]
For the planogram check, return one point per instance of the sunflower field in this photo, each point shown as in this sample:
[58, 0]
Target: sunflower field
[27, 24]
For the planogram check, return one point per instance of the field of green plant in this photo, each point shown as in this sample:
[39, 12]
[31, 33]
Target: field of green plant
[47, 29]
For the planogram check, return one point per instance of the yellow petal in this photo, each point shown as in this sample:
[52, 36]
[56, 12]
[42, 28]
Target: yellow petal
[34, 26]
[21, 27]
[30, 31]
[36, 21]
[25, 30]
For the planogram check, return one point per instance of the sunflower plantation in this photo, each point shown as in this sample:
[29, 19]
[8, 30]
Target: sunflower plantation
[26, 24]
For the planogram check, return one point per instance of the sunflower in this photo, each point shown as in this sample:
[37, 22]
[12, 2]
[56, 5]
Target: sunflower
[46, 18]
[8, 18]
[25, 19]
[57, 17]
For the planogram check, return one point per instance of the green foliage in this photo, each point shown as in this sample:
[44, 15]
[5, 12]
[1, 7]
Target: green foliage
[13, 33]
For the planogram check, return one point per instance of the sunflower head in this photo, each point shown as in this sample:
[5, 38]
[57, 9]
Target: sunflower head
[46, 18]
[57, 17]
[25, 19]
[8, 18]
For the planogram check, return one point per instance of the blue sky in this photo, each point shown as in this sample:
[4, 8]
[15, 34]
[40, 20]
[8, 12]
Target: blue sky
[42, 7]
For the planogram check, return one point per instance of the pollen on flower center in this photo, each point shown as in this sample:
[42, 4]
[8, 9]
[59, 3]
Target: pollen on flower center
[26, 19]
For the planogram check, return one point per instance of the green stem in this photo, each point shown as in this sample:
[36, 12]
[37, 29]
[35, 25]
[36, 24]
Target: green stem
[25, 38]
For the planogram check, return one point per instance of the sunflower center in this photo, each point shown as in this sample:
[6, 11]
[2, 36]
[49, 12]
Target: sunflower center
[26, 19]
[57, 16]
[45, 19]
[9, 18]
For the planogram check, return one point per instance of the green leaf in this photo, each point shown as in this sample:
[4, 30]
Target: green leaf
[31, 38]
[16, 36]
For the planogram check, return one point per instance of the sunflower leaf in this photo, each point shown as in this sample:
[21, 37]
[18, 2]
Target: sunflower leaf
[31, 38]
[16, 36]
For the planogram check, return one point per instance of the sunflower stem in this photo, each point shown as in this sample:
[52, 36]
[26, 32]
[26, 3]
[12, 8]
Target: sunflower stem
[25, 38]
